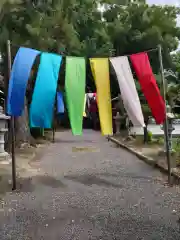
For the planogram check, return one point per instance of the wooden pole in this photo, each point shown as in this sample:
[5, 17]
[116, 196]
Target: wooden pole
[12, 122]
[168, 155]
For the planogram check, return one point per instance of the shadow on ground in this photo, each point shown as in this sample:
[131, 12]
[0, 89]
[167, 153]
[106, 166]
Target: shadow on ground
[73, 141]
[29, 184]
[5, 183]
[133, 176]
[89, 180]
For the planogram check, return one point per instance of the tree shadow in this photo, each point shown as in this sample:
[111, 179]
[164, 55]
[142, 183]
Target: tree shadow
[29, 184]
[90, 180]
[49, 181]
[73, 141]
[132, 176]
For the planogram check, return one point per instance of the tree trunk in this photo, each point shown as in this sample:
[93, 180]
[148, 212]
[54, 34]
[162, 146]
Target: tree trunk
[145, 134]
[22, 130]
[146, 121]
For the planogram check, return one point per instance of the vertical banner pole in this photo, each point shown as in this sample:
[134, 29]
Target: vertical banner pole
[168, 156]
[12, 122]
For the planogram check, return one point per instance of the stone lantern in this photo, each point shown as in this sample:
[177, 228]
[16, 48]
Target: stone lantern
[117, 119]
[4, 156]
[170, 119]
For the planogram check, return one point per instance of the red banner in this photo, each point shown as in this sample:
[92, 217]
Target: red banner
[149, 86]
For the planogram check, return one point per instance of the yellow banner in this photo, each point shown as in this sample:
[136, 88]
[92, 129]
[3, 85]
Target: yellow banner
[100, 71]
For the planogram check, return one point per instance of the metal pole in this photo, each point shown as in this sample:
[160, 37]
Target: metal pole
[12, 121]
[168, 156]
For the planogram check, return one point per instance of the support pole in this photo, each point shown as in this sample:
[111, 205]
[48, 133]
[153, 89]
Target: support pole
[12, 122]
[168, 156]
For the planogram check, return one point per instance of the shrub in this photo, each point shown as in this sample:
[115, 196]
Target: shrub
[150, 136]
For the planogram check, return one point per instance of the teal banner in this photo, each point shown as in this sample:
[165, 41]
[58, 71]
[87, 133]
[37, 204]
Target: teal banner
[44, 95]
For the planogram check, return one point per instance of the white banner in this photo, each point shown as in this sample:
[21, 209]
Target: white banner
[128, 90]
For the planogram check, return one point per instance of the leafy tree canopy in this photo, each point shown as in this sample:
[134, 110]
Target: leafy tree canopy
[90, 27]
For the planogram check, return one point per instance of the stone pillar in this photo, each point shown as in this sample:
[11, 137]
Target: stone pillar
[4, 156]
[117, 122]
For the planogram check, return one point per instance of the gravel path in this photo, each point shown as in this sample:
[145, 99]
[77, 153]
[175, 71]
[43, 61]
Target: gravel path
[86, 188]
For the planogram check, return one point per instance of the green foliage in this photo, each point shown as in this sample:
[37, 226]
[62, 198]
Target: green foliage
[176, 63]
[139, 27]
[130, 28]
[157, 141]
[176, 145]
[81, 28]
[150, 136]
[60, 26]
[160, 140]
[146, 111]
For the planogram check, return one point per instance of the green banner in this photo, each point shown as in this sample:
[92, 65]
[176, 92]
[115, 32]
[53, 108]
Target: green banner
[75, 91]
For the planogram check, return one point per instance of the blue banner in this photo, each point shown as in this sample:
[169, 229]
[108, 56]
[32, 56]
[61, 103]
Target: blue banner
[43, 99]
[20, 73]
[60, 103]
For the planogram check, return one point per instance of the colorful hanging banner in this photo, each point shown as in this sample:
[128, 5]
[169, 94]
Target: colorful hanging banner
[42, 105]
[149, 86]
[20, 73]
[60, 103]
[75, 91]
[100, 70]
[128, 90]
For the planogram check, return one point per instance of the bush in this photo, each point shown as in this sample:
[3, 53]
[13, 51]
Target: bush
[160, 140]
[176, 145]
[150, 136]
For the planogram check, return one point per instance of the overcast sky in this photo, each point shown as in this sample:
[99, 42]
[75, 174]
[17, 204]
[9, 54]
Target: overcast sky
[170, 2]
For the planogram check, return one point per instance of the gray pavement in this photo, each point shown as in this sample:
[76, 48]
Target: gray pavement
[86, 188]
